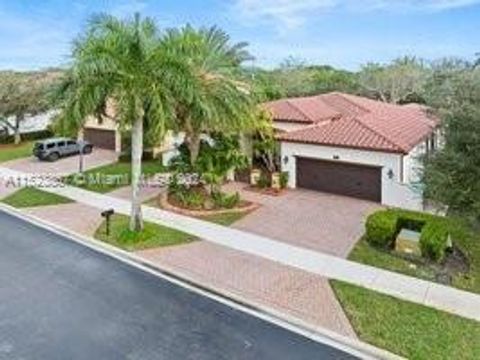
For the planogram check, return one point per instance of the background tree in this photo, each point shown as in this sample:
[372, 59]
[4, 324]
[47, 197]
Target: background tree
[402, 81]
[121, 61]
[298, 79]
[23, 94]
[209, 97]
[451, 175]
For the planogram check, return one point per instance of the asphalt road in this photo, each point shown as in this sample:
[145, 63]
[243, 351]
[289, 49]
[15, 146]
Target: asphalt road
[61, 300]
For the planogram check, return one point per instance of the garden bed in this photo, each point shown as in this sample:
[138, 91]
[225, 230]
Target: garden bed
[169, 203]
[459, 267]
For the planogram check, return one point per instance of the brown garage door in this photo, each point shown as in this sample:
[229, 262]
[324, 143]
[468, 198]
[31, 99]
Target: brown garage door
[354, 180]
[104, 139]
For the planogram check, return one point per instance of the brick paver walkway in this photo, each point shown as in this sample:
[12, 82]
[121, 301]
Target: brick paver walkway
[290, 291]
[77, 217]
[313, 220]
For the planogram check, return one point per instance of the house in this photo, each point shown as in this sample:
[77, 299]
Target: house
[353, 146]
[104, 132]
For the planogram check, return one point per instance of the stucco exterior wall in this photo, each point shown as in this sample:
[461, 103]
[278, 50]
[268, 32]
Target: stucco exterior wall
[288, 126]
[395, 192]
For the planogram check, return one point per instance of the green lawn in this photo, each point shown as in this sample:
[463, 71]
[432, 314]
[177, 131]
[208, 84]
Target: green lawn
[107, 178]
[467, 240]
[11, 152]
[407, 329]
[31, 197]
[152, 236]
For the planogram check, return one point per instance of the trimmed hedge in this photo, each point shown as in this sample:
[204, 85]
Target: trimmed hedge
[434, 240]
[30, 136]
[126, 156]
[382, 227]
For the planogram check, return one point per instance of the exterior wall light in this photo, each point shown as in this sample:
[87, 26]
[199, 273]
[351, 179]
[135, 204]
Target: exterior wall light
[390, 174]
[285, 159]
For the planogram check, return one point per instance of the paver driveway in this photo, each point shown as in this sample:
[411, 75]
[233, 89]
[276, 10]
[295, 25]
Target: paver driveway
[64, 166]
[310, 219]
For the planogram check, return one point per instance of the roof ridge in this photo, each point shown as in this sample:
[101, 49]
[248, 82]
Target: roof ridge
[361, 123]
[300, 111]
[342, 95]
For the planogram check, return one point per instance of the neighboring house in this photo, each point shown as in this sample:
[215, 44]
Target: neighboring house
[353, 146]
[105, 133]
[31, 124]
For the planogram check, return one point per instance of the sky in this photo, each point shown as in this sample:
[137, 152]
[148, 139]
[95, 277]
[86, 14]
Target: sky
[37, 34]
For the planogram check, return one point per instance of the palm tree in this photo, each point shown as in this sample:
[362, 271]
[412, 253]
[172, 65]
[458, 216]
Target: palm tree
[208, 95]
[122, 62]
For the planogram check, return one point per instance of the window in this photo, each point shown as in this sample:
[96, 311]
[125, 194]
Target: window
[50, 146]
[61, 144]
[71, 142]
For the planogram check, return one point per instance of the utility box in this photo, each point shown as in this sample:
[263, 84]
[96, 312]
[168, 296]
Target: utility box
[254, 176]
[408, 242]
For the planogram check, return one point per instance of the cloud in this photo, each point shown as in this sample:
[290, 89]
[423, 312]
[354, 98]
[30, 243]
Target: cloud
[291, 14]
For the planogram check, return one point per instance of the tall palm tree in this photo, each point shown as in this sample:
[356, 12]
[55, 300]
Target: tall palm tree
[122, 62]
[208, 95]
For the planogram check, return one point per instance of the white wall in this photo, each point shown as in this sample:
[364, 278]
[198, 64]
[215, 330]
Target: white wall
[35, 123]
[288, 126]
[394, 192]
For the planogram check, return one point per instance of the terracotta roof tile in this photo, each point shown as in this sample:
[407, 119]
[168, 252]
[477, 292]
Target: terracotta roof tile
[351, 121]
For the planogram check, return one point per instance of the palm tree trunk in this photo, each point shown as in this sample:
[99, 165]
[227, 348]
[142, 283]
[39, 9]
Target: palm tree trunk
[136, 220]
[193, 145]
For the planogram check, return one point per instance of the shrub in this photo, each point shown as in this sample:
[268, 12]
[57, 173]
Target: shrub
[223, 200]
[381, 228]
[263, 181]
[434, 239]
[410, 223]
[283, 179]
[30, 136]
[126, 156]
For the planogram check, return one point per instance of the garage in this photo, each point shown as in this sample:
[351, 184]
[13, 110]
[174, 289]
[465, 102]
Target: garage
[355, 180]
[101, 138]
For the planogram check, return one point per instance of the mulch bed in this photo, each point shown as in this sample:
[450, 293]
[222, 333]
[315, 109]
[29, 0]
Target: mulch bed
[454, 263]
[166, 202]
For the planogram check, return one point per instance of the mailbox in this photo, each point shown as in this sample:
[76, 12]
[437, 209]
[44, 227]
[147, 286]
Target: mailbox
[107, 214]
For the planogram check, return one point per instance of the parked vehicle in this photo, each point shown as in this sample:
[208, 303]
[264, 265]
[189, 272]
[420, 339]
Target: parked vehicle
[55, 148]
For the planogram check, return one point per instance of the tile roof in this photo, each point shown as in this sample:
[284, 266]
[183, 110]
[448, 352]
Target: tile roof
[338, 119]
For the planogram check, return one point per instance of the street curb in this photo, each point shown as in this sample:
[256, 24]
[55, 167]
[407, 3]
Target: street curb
[316, 333]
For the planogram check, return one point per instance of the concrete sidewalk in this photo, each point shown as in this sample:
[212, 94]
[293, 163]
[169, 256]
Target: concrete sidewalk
[441, 297]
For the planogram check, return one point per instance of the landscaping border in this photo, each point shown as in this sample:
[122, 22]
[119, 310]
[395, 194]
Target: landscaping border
[166, 205]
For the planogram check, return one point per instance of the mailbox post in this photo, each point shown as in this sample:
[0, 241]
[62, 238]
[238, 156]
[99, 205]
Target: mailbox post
[107, 214]
[80, 165]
